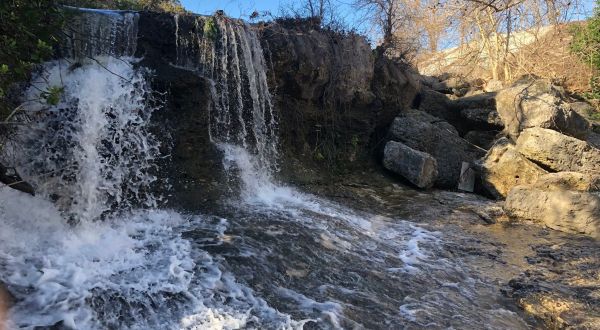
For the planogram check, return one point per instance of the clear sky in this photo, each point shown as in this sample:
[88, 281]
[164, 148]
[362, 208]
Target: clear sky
[233, 8]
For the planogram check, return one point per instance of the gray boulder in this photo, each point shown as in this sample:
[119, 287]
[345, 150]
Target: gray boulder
[566, 201]
[448, 149]
[558, 152]
[537, 103]
[503, 168]
[417, 167]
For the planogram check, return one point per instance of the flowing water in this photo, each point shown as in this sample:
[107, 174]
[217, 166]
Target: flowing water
[95, 249]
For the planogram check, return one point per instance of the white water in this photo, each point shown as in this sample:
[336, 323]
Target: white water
[94, 156]
[142, 267]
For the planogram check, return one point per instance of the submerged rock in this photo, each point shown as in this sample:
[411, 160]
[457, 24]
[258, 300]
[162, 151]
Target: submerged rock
[448, 149]
[558, 152]
[6, 301]
[417, 167]
[503, 168]
[538, 103]
[567, 202]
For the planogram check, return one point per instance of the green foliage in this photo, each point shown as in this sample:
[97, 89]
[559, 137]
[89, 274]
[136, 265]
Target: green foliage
[210, 28]
[586, 44]
[28, 31]
[52, 95]
[172, 6]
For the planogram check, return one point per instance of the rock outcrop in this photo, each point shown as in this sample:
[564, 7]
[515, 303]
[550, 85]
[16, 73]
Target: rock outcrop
[417, 167]
[448, 149]
[567, 201]
[537, 103]
[333, 96]
[558, 152]
[503, 168]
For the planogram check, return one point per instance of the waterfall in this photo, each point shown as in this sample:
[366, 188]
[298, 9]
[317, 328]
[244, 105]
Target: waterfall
[92, 156]
[243, 123]
[91, 33]
[92, 152]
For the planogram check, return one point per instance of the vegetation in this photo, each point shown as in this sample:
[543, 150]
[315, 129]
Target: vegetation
[210, 28]
[173, 6]
[586, 44]
[28, 31]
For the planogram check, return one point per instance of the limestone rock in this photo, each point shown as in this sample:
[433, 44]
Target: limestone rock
[448, 149]
[493, 86]
[503, 168]
[417, 167]
[435, 104]
[564, 210]
[568, 181]
[425, 117]
[538, 103]
[558, 152]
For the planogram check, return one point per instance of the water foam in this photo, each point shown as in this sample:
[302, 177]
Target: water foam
[92, 151]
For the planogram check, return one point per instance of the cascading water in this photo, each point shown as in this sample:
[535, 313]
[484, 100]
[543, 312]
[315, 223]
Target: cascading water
[242, 120]
[94, 249]
[102, 255]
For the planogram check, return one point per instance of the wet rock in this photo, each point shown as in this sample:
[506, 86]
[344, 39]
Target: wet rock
[12, 179]
[558, 152]
[449, 149]
[482, 118]
[567, 202]
[503, 168]
[6, 301]
[482, 139]
[417, 167]
[538, 103]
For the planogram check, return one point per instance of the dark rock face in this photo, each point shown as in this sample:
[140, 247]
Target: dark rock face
[334, 95]
[334, 99]
[182, 124]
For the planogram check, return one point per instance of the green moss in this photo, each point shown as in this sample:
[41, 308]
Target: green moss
[210, 28]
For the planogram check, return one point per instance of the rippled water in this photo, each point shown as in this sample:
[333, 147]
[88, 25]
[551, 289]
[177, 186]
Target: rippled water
[95, 250]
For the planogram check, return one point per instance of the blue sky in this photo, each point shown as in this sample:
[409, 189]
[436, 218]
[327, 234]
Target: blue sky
[243, 8]
[233, 8]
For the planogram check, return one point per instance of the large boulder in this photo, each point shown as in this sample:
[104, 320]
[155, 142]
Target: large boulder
[503, 168]
[417, 167]
[449, 149]
[537, 103]
[566, 201]
[558, 152]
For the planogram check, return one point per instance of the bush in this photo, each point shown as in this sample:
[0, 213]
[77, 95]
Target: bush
[28, 31]
[586, 44]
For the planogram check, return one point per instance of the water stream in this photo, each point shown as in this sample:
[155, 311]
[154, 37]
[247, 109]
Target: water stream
[95, 248]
